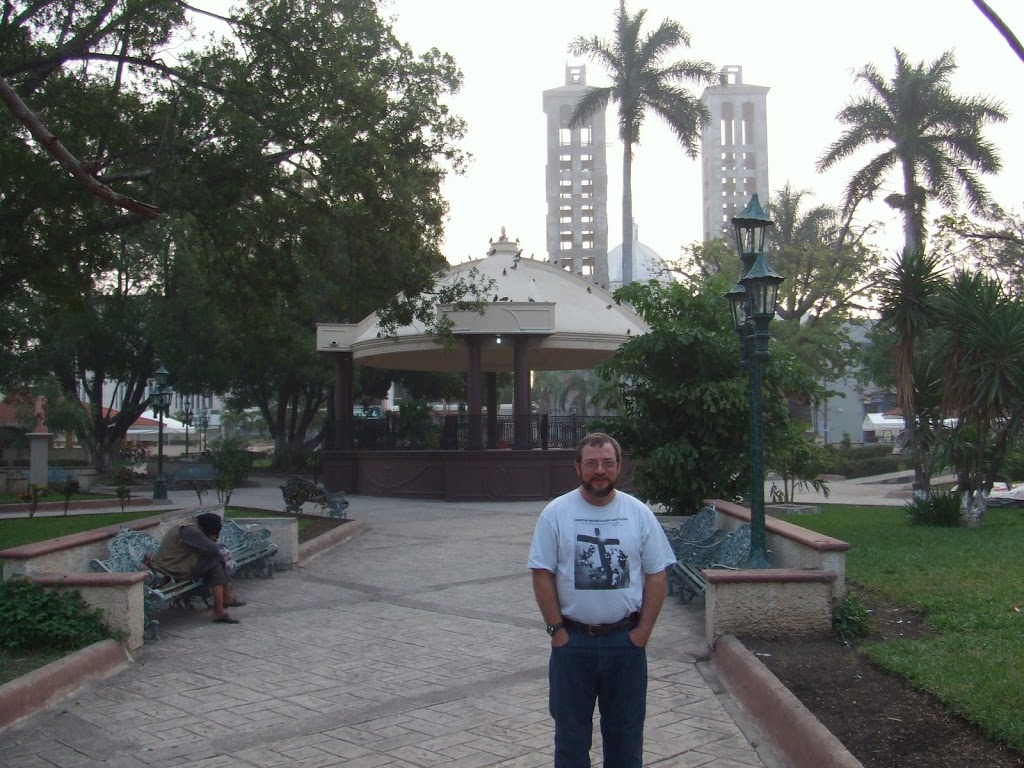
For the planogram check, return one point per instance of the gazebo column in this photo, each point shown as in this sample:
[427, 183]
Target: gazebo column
[343, 401]
[521, 393]
[476, 439]
[492, 409]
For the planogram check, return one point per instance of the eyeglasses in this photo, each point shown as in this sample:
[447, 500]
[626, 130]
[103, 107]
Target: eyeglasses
[594, 464]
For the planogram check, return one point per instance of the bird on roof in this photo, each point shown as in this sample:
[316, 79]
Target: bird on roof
[491, 252]
[588, 289]
[495, 297]
[607, 306]
[503, 272]
[530, 299]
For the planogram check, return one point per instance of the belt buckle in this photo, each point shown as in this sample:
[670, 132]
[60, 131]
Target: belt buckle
[594, 630]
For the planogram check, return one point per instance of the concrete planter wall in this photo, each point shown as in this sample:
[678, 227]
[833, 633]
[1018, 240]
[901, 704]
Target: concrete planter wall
[796, 597]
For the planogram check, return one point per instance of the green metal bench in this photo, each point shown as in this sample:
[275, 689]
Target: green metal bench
[731, 551]
[297, 491]
[191, 476]
[57, 476]
[130, 551]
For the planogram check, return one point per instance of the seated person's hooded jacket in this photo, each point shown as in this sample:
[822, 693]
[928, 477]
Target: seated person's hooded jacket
[188, 551]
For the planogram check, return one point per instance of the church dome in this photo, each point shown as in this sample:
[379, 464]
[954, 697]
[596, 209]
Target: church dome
[647, 264]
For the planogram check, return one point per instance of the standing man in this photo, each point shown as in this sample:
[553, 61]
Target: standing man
[598, 559]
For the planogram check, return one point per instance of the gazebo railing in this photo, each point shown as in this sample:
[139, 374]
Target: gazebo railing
[451, 432]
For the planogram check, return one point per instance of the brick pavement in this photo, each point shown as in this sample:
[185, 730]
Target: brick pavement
[416, 644]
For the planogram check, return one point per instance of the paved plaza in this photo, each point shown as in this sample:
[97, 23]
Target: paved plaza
[417, 643]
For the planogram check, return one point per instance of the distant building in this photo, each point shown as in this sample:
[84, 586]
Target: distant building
[734, 150]
[576, 183]
[853, 404]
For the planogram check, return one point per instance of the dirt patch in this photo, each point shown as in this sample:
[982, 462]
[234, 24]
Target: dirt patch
[880, 718]
[317, 526]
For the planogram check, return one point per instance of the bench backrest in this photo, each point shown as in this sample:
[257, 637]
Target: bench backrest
[734, 549]
[129, 550]
[697, 527]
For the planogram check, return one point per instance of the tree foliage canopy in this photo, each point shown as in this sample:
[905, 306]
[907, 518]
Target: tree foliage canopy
[684, 400]
[296, 158]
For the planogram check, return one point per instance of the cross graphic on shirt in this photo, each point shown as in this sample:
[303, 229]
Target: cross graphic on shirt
[606, 559]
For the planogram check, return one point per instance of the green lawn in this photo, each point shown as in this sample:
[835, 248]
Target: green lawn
[12, 498]
[969, 586]
[23, 530]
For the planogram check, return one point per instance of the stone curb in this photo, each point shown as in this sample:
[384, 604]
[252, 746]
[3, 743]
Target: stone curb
[794, 732]
[326, 541]
[42, 687]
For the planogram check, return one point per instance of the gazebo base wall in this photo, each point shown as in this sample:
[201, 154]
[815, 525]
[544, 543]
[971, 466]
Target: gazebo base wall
[455, 475]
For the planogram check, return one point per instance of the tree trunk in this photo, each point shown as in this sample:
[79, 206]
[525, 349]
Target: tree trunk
[974, 507]
[627, 213]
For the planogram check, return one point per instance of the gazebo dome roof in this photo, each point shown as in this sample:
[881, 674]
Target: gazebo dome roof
[569, 323]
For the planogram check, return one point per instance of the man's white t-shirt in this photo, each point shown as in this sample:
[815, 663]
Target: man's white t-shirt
[598, 554]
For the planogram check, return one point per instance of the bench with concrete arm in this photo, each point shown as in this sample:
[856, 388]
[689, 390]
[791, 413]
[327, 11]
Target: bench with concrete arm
[130, 551]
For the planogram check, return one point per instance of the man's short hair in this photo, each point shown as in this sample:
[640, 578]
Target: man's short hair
[209, 523]
[596, 440]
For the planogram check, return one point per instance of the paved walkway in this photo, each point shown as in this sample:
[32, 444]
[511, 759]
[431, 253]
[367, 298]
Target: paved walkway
[416, 644]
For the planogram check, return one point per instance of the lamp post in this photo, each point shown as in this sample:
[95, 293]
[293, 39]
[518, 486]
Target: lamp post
[752, 301]
[202, 424]
[186, 419]
[160, 395]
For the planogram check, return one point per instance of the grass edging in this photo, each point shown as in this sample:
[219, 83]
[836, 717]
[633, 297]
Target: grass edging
[41, 687]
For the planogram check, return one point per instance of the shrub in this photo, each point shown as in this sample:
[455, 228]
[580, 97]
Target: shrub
[32, 496]
[233, 462]
[850, 619]
[38, 618]
[68, 489]
[941, 509]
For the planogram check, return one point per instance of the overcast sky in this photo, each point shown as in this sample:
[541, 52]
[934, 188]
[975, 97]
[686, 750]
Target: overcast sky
[806, 51]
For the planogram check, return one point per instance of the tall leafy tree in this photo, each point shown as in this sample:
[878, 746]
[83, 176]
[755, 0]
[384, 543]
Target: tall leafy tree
[297, 163]
[994, 245]
[929, 135]
[683, 399]
[642, 82]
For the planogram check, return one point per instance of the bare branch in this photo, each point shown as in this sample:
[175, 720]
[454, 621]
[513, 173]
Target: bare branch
[1000, 25]
[52, 145]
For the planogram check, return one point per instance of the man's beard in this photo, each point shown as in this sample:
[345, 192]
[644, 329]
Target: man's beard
[600, 492]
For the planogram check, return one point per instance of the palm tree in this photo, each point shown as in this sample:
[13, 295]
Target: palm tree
[983, 356]
[931, 135]
[641, 82]
[908, 311]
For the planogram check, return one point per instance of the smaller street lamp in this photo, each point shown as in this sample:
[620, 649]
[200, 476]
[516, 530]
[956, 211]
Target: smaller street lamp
[160, 395]
[752, 301]
[202, 424]
[186, 419]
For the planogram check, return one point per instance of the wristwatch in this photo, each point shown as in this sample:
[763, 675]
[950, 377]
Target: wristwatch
[552, 628]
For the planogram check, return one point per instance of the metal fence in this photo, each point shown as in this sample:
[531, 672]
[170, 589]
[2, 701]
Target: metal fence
[452, 432]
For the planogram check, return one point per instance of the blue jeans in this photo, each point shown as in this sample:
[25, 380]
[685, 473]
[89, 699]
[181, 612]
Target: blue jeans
[611, 671]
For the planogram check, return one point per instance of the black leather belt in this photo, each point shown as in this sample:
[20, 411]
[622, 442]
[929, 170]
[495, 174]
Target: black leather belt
[600, 630]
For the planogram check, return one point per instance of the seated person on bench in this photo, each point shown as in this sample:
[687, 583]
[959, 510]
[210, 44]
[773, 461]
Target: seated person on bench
[191, 552]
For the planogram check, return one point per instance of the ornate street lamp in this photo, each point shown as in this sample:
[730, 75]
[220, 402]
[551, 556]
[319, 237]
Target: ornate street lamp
[202, 424]
[160, 395]
[186, 419]
[752, 301]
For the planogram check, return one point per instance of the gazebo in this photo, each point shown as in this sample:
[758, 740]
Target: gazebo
[539, 317]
